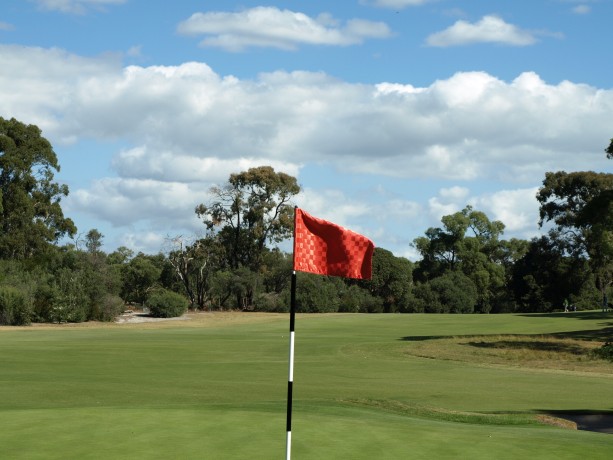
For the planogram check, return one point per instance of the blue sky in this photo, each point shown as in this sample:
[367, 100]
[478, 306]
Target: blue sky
[391, 113]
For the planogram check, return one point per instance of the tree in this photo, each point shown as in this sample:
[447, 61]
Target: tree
[391, 280]
[609, 150]
[440, 247]
[452, 292]
[468, 242]
[93, 241]
[456, 292]
[139, 277]
[30, 214]
[194, 265]
[563, 198]
[580, 204]
[252, 210]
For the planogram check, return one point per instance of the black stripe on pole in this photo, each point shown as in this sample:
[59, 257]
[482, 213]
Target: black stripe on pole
[289, 406]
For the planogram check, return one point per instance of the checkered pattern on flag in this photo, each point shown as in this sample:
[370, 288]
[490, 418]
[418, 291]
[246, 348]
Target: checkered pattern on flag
[324, 248]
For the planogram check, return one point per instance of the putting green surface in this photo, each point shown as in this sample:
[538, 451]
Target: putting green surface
[215, 387]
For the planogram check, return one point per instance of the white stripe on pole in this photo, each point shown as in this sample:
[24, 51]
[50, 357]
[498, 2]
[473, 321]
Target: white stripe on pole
[291, 356]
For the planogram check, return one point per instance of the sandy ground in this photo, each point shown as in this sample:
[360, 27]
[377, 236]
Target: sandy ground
[139, 317]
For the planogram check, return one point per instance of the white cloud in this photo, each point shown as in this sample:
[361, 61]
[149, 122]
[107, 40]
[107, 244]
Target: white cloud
[143, 241]
[449, 201]
[75, 6]
[395, 4]
[455, 193]
[490, 29]
[135, 51]
[185, 121]
[272, 27]
[183, 128]
[124, 201]
[469, 125]
[146, 162]
[517, 209]
[582, 9]
[6, 26]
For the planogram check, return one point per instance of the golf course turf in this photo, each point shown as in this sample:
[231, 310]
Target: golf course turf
[365, 387]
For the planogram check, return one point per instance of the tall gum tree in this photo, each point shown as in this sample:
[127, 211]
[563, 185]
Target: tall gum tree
[580, 204]
[468, 242]
[251, 210]
[31, 217]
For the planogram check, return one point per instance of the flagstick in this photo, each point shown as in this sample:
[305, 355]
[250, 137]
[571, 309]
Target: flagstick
[290, 381]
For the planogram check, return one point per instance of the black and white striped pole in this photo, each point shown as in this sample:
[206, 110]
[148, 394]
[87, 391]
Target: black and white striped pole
[290, 380]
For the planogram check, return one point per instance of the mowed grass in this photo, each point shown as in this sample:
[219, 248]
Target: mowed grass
[365, 387]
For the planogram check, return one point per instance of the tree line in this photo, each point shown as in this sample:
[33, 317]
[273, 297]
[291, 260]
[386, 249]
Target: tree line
[465, 266]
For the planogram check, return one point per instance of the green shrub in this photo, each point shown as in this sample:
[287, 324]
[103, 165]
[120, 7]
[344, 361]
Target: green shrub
[317, 294]
[45, 298]
[167, 304]
[272, 302]
[108, 308]
[14, 307]
[605, 352]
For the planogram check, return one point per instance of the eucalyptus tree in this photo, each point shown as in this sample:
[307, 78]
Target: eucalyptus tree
[468, 242]
[253, 209]
[580, 206]
[195, 263]
[31, 217]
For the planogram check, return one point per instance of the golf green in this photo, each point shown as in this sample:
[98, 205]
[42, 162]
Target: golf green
[214, 386]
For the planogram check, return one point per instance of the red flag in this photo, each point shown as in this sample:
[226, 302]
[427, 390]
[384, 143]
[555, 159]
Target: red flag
[325, 248]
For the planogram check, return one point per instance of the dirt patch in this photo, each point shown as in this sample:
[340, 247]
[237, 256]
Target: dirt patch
[140, 317]
[558, 421]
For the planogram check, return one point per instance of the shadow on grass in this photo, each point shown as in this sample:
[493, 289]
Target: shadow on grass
[601, 335]
[588, 315]
[604, 334]
[422, 338]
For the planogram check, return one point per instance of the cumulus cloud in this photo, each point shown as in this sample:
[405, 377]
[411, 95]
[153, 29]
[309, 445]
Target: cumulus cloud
[490, 29]
[183, 128]
[517, 209]
[75, 6]
[124, 201]
[469, 125]
[448, 201]
[272, 27]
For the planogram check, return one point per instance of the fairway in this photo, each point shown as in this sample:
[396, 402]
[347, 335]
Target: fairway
[365, 387]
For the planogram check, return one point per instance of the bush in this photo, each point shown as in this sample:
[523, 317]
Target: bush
[317, 294]
[14, 307]
[272, 302]
[456, 292]
[605, 352]
[45, 299]
[167, 304]
[108, 308]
